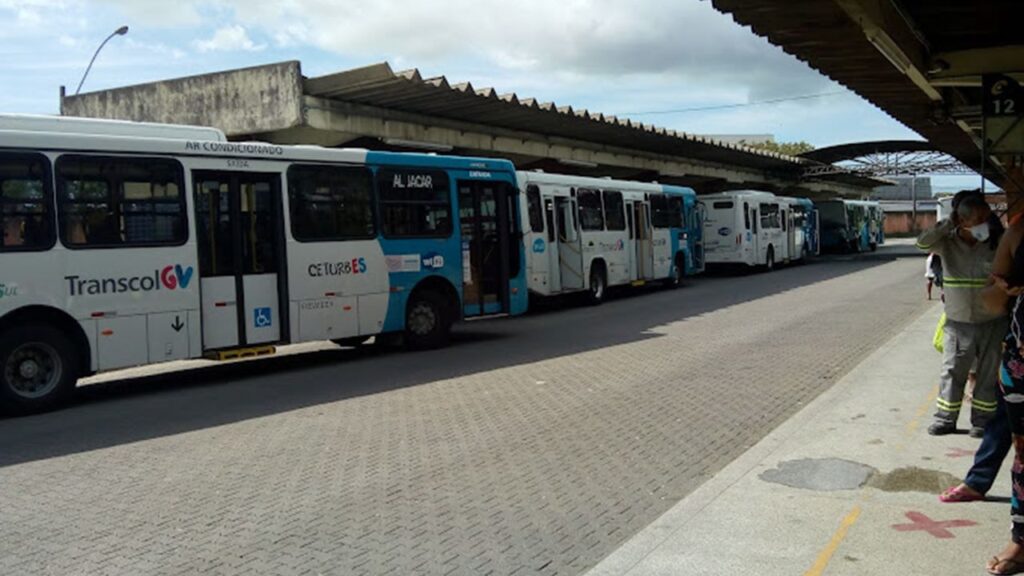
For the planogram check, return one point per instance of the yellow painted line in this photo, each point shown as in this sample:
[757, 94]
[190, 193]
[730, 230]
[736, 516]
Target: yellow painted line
[826, 555]
[921, 410]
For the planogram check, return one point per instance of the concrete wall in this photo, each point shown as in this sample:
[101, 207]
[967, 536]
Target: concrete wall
[239, 102]
[899, 223]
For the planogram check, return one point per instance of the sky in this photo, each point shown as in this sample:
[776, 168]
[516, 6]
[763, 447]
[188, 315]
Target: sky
[651, 60]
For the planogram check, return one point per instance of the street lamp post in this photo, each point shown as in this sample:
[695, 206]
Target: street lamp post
[119, 32]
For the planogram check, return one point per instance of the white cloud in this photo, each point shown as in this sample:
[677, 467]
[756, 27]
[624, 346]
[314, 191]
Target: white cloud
[229, 38]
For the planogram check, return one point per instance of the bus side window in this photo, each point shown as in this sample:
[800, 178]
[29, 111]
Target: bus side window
[330, 203]
[746, 215]
[753, 218]
[106, 201]
[26, 203]
[414, 203]
[782, 217]
[675, 211]
[533, 207]
[591, 215]
[615, 220]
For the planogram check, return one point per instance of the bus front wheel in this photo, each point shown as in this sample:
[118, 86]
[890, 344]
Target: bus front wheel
[38, 369]
[427, 321]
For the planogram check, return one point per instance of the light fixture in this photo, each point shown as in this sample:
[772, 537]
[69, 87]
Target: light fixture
[888, 48]
[119, 32]
[431, 146]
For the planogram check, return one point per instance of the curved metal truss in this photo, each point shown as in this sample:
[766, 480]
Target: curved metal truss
[893, 162]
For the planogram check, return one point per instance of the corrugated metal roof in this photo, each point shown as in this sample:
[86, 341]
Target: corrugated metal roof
[378, 85]
[820, 33]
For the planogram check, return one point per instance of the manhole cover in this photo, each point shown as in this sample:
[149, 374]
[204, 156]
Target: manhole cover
[825, 474]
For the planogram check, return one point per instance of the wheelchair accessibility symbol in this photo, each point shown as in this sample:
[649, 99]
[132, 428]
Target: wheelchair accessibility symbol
[262, 318]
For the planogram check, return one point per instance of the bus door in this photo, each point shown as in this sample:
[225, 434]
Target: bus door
[487, 221]
[644, 246]
[697, 234]
[552, 254]
[755, 235]
[792, 249]
[570, 249]
[241, 252]
[631, 248]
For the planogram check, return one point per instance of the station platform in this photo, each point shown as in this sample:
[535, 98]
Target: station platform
[848, 486]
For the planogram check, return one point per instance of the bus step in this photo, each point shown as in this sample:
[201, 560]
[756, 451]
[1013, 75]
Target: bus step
[637, 283]
[239, 353]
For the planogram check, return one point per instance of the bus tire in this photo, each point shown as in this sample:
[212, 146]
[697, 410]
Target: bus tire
[678, 272]
[39, 367]
[598, 288]
[769, 261]
[427, 321]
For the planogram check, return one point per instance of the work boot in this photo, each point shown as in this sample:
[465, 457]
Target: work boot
[942, 428]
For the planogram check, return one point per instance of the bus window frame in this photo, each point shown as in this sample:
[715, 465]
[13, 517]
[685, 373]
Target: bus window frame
[182, 201]
[49, 203]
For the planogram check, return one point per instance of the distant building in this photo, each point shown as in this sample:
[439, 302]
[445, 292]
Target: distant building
[898, 204]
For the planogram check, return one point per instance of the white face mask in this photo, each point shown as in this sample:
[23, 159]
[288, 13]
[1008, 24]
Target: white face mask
[980, 232]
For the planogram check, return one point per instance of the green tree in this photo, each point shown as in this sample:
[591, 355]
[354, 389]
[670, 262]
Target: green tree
[788, 148]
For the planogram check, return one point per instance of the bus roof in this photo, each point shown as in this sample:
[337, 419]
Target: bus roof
[98, 127]
[99, 141]
[601, 183]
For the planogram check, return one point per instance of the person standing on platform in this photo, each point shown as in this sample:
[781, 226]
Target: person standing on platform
[967, 242]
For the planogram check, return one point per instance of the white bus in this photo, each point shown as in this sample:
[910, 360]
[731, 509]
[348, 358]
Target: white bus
[133, 244]
[748, 227]
[586, 234]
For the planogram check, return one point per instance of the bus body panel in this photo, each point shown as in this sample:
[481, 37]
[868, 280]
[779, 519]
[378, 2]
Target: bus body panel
[144, 304]
[742, 226]
[561, 254]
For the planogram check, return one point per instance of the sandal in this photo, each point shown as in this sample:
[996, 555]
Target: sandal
[1009, 566]
[960, 493]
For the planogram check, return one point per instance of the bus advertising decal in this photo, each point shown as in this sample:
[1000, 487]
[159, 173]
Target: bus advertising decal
[433, 261]
[354, 266]
[403, 263]
[168, 278]
[8, 290]
[538, 246]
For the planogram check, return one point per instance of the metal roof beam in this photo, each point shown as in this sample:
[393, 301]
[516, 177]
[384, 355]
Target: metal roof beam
[965, 67]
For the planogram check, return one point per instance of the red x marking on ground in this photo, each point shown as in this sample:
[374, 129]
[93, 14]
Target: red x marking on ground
[959, 453]
[935, 528]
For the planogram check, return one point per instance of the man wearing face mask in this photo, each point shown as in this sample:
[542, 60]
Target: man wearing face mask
[967, 244]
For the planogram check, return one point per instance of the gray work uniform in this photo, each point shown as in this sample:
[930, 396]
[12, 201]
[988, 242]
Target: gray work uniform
[973, 335]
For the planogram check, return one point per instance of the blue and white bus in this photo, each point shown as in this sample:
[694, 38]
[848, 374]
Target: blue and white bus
[805, 236]
[588, 234]
[127, 244]
[851, 225]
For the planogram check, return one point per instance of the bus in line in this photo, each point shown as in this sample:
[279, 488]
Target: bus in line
[128, 244]
[851, 225]
[751, 228]
[588, 234]
[804, 240]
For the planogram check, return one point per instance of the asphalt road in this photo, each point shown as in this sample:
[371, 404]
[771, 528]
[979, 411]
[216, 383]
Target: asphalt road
[532, 445]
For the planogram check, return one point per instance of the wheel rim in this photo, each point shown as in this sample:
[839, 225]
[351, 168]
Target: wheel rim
[597, 286]
[33, 370]
[422, 319]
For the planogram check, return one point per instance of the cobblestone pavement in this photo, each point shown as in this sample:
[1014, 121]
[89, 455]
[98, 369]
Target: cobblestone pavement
[532, 446]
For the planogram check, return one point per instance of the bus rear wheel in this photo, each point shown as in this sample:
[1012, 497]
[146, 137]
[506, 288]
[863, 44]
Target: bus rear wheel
[678, 273]
[598, 285]
[38, 369]
[427, 321]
